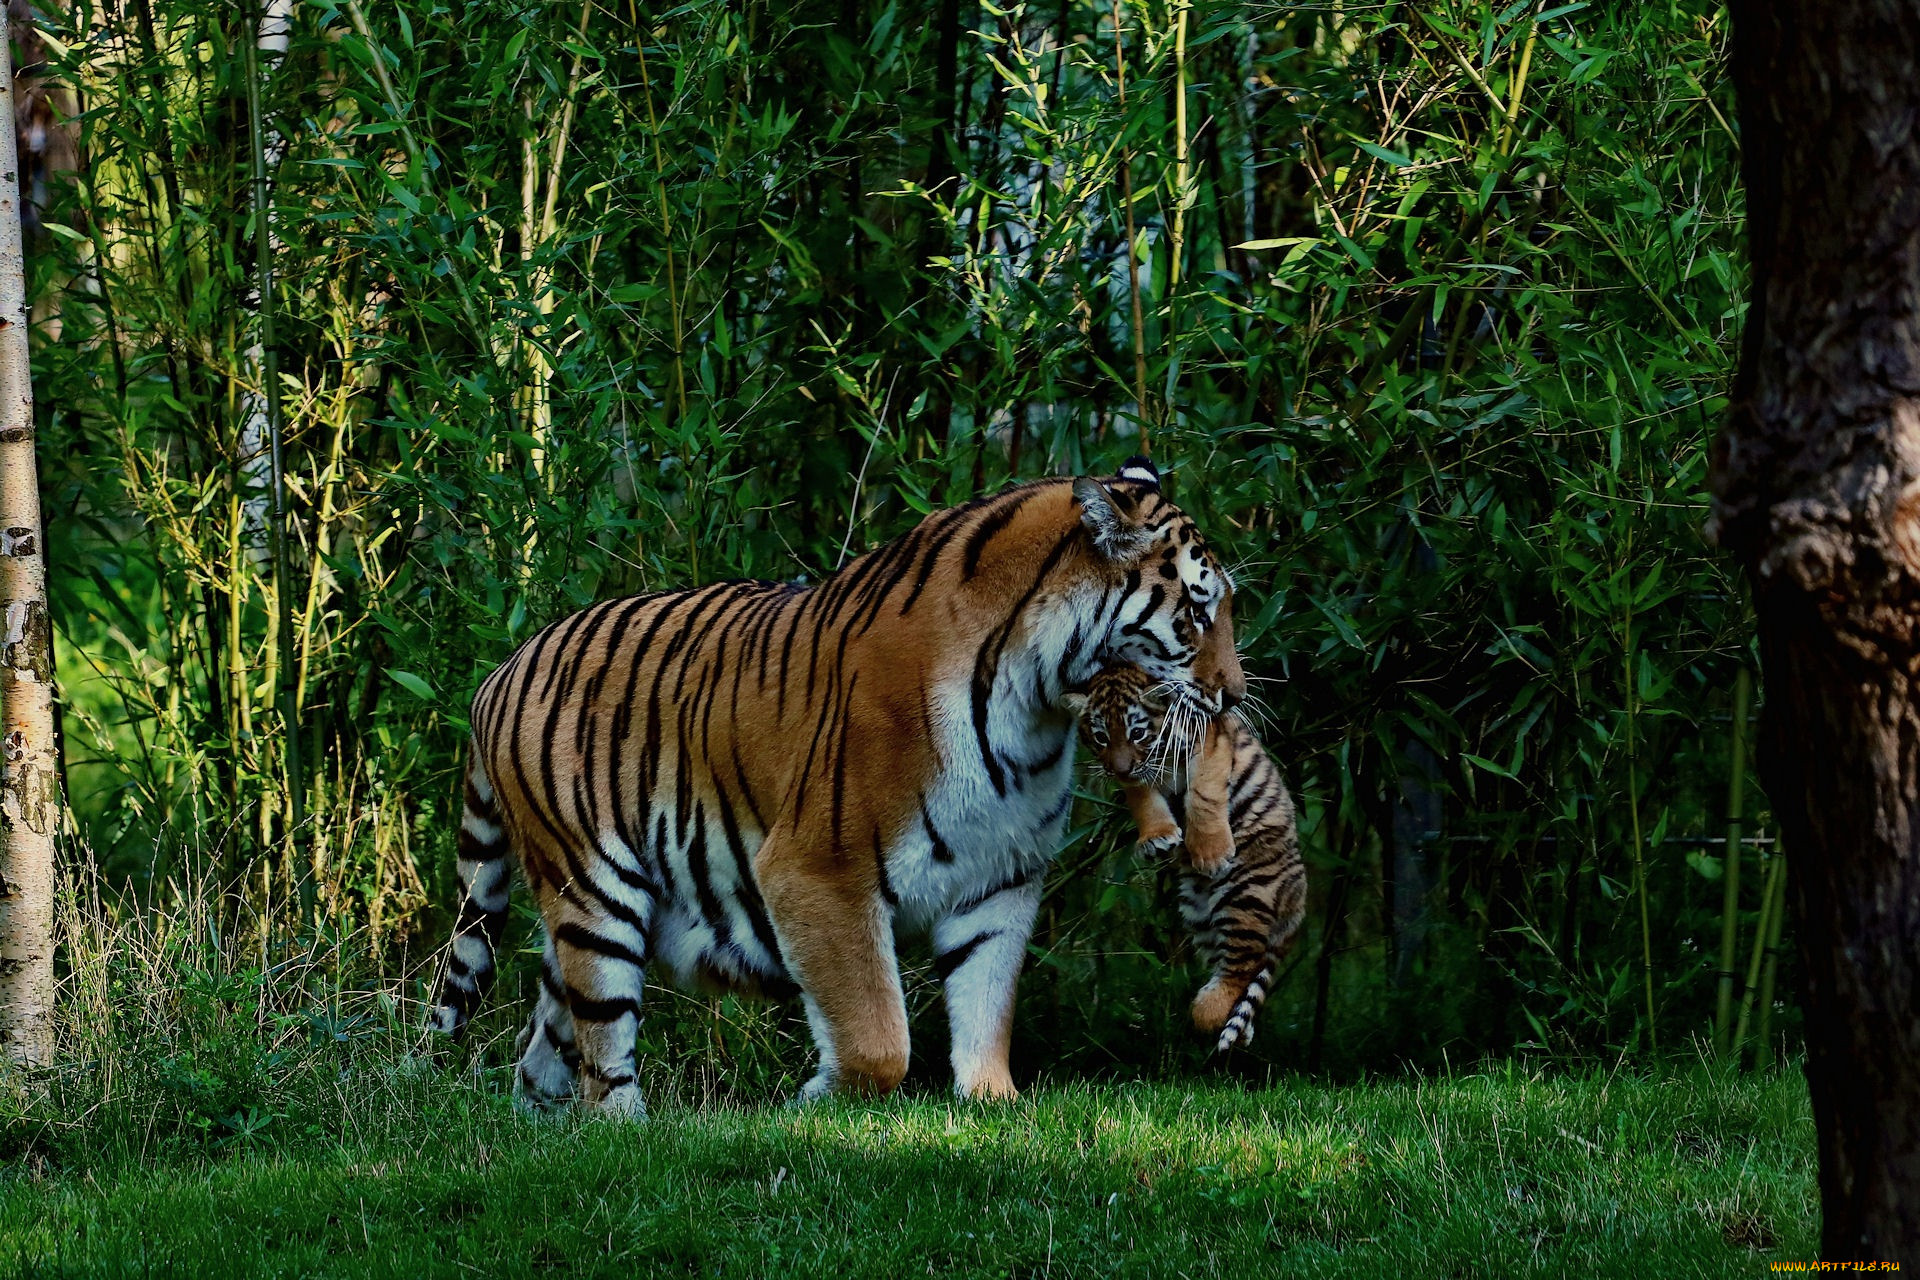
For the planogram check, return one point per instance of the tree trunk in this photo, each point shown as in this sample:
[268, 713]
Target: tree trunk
[29, 763]
[1816, 480]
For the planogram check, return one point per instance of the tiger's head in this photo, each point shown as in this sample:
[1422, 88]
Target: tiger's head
[1121, 715]
[1171, 601]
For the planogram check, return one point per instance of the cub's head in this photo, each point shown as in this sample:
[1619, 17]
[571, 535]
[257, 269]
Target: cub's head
[1170, 606]
[1122, 719]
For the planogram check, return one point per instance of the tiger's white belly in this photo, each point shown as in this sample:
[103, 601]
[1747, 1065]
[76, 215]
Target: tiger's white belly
[972, 840]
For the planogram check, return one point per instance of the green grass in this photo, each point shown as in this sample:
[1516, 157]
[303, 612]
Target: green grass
[393, 1172]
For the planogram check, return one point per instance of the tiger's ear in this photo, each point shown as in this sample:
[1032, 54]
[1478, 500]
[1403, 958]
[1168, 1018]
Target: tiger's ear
[1074, 704]
[1114, 535]
[1141, 471]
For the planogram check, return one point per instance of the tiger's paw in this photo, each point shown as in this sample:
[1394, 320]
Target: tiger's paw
[993, 1087]
[814, 1090]
[622, 1102]
[542, 1082]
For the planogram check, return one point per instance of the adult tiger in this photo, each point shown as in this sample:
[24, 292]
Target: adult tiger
[754, 785]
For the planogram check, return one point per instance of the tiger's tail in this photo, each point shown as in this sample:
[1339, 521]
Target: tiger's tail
[484, 876]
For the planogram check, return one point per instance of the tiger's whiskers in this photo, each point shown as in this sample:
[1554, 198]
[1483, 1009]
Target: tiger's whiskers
[1258, 714]
[1180, 727]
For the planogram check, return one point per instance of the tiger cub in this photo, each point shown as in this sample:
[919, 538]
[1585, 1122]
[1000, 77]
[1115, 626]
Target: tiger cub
[1243, 887]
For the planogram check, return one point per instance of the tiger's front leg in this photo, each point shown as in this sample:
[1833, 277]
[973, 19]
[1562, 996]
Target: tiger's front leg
[977, 952]
[836, 939]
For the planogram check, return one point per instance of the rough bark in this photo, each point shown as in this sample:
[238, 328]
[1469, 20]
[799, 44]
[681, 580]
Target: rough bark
[1816, 481]
[29, 764]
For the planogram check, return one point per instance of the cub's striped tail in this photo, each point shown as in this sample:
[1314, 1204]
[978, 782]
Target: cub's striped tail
[1290, 908]
[484, 875]
[1239, 1024]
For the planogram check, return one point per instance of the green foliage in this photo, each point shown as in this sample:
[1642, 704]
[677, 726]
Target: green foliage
[1433, 324]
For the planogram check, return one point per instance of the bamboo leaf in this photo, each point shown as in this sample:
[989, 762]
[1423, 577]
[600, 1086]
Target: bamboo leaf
[412, 683]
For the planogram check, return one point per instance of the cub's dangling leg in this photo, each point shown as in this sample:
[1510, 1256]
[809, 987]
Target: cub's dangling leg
[1209, 807]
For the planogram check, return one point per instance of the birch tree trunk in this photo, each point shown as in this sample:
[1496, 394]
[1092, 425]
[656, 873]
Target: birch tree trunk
[29, 767]
[1816, 480]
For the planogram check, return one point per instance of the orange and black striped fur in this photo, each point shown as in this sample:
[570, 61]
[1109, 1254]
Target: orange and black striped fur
[1206, 782]
[754, 786]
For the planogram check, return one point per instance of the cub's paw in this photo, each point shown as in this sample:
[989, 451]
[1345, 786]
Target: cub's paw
[1156, 843]
[1209, 854]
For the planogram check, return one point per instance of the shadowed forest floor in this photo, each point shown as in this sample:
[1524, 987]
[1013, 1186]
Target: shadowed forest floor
[411, 1173]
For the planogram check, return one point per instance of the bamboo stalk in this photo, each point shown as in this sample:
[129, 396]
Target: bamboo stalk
[1182, 197]
[1762, 1027]
[235, 856]
[1769, 905]
[1519, 86]
[283, 686]
[1459, 60]
[1183, 178]
[1639, 861]
[540, 370]
[1133, 264]
[674, 301]
[1730, 872]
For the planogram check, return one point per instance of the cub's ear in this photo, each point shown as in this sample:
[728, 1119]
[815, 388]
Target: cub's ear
[1074, 704]
[1141, 471]
[1114, 535]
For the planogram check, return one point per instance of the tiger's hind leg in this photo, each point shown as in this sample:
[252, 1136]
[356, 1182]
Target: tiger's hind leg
[1289, 910]
[1235, 942]
[549, 1060]
[484, 874]
[600, 945]
[1292, 908]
